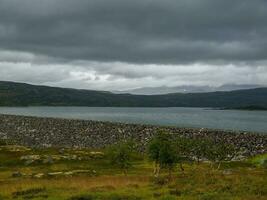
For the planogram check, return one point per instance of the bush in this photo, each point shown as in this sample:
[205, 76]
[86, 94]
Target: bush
[83, 197]
[160, 180]
[121, 197]
[30, 193]
[207, 196]
[175, 192]
[105, 197]
[168, 197]
[264, 163]
[219, 152]
[121, 155]
[161, 150]
[200, 148]
[4, 142]
[183, 148]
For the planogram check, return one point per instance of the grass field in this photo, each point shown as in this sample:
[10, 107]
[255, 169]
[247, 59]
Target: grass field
[86, 174]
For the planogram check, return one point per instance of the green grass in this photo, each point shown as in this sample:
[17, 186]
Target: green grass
[244, 180]
[259, 160]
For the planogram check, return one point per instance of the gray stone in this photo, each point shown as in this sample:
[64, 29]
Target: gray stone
[65, 133]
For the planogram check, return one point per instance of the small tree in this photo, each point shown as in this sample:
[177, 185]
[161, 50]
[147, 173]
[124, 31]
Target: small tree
[183, 147]
[161, 151]
[219, 152]
[167, 156]
[200, 148]
[225, 152]
[154, 151]
[120, 155]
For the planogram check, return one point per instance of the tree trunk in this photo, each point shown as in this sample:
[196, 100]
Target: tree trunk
[156, 169]
[125, 172]
[219, 165]
[170, 174]
[181, 167]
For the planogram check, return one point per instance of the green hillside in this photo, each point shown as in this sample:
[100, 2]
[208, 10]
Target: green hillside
[20, 94]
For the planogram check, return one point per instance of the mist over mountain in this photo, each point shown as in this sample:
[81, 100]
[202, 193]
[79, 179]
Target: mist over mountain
[186, 89]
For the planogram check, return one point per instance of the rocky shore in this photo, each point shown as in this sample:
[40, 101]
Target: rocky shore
[50, 132]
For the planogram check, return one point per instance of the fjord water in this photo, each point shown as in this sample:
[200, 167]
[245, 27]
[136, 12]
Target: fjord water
[255, 121]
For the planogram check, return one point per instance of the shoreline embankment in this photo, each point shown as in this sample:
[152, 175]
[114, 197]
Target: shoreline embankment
[40, 132]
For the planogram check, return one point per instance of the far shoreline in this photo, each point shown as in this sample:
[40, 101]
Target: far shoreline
[244, 108]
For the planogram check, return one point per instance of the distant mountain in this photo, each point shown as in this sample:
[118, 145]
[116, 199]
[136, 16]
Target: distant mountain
[185, 89]
[232, 87]
[166, 90]
[21, 94]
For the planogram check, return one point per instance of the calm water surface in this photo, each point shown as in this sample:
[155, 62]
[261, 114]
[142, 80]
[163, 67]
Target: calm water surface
[182, 117]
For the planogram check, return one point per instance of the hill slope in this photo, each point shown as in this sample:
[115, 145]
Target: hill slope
[20, 94]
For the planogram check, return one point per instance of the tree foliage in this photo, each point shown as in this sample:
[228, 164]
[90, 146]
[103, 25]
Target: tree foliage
[162, 152]
[219, 152]
[167, 152]
[200, 148]
[120, 155]
[183, 150]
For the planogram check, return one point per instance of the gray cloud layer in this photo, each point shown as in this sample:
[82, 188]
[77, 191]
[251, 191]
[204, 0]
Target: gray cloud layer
[135, 40]
[146, 31]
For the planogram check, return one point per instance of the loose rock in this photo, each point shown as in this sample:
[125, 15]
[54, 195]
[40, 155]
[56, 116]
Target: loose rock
[65, 133]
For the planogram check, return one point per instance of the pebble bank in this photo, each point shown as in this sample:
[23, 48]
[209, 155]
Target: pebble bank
[52, 132]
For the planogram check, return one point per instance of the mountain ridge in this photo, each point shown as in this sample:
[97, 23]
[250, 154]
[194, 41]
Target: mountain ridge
[22, 94]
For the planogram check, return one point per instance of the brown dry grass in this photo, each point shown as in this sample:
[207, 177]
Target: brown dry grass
[81, 184]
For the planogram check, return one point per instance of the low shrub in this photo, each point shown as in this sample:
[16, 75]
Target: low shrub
[30, 193]
[121, 197]
[105, 197]
[161, 180]
[264, 163]
[168, 197]
[207, 196]
[175, 192]
[103, 188]
[82, 197]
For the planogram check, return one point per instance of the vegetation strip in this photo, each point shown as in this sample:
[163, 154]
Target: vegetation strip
[170, 169]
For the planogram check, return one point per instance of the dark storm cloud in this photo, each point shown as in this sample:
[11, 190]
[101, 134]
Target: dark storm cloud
[121, 44]
[141, 31]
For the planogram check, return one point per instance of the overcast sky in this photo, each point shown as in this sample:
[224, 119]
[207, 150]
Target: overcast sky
[122, 44]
